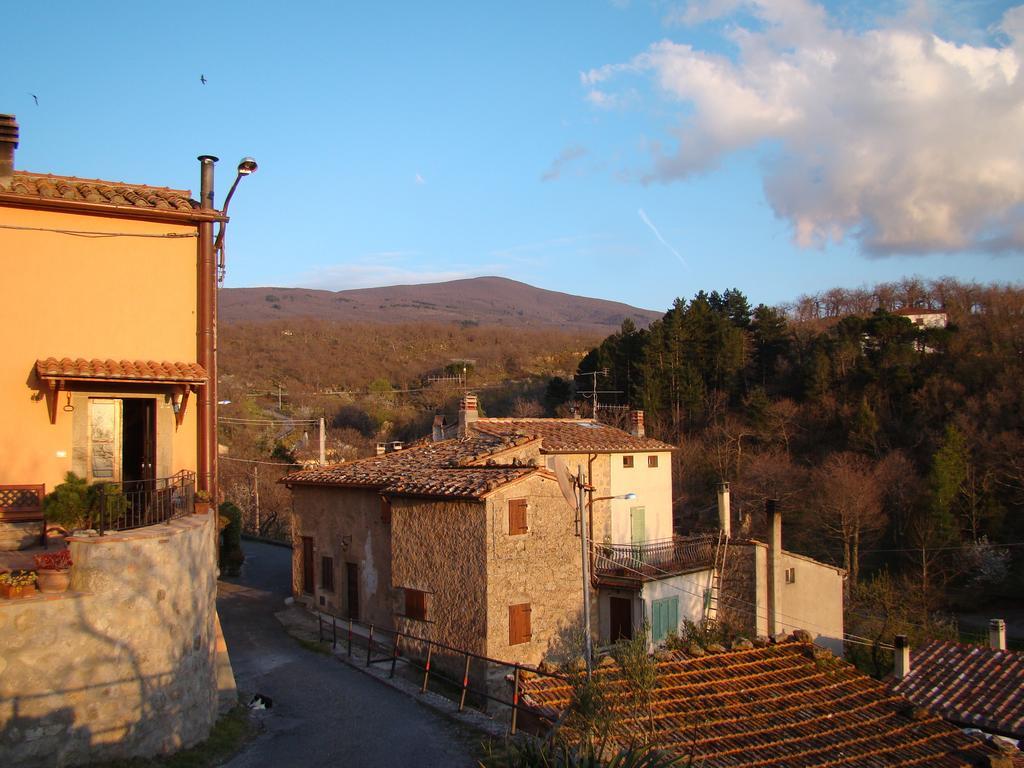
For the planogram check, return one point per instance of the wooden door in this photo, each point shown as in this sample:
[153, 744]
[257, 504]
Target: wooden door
[307, 565]
[352, 589]
[105, 420]
[620, 611]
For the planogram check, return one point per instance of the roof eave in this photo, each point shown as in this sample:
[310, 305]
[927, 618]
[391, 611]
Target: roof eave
[62, 205]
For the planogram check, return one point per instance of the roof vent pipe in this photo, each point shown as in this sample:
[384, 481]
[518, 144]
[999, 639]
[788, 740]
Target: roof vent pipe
[724, 511]
[8, 143]
[206, 181]
[997, 634]
[901, 657]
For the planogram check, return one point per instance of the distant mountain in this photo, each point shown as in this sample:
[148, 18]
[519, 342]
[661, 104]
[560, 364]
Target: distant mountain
[483, 300]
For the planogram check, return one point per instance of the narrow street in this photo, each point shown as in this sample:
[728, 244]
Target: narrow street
[324, 712]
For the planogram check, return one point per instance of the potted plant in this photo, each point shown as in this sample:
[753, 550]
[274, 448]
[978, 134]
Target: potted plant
[53, 571]
[202, 504]
[19, 583]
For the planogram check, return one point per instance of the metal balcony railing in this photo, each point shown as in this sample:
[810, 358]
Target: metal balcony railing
[653, 559]
[138, 503]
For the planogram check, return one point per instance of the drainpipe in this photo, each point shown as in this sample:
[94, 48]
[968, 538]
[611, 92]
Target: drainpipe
[206, 344]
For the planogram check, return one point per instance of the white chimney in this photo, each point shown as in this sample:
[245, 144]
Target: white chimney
[468, 413]
[902, 657]
[382, 448]
[997, 634]
[775, 575]
[636, 423]
[724, 512]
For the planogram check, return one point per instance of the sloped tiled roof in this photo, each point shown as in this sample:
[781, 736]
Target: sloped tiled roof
[449, 468]
[571, 435]
[969, 684]
[44, 186]
[122, 370]
[788, 705]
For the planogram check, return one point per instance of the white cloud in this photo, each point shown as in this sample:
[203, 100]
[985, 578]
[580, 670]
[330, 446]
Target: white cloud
[565, 157]
[908, 142]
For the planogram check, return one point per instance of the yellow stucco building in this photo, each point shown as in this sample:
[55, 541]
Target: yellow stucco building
[108, 336]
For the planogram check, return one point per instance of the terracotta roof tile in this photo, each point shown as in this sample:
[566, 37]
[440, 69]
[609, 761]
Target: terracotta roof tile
[571, 435]
[785, 706]
[131, 370]
[47, 186]
[443, 469]
[972, 685]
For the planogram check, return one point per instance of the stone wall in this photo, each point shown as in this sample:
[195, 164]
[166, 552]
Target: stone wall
[346, 524]
[541, 567]
[738, 590]
[124, 664]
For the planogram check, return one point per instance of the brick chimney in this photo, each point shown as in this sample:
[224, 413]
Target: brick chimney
[468, 413]
[997, 634]
[901, 657]
[774, 519]
[724, 510]
[636, 423]
[8, 143]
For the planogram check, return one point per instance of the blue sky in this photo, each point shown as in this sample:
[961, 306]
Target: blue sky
[634, 151]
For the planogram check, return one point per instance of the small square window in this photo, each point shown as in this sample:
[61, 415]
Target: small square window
[652, 461]
[791, 575]
[415, 604]
[627, 462]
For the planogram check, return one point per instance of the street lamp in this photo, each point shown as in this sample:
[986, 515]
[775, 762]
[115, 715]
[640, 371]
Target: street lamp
[581, 486]
[246, 166]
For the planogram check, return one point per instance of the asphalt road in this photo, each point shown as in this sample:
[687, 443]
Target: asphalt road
[324, 712]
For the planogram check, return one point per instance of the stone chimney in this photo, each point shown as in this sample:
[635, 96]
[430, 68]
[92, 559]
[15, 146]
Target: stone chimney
[901, 657]
[774, 520]
[8, 143]
[997, 634]
[468, 413]
[636, 423]
[724, 510]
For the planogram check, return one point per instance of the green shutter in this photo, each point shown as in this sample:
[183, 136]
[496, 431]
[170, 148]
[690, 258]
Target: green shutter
[664, 617]
[637, 530]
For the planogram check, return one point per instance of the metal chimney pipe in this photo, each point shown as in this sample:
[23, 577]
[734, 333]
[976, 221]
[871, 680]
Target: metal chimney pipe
[8, 143]
[724, 510]
[901, 657]
[997, 634]
[206, 342]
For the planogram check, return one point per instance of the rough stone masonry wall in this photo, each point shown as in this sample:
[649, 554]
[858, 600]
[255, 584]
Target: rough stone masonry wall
[737, 598]
[346, 525]
[122, 665]
[541, 567]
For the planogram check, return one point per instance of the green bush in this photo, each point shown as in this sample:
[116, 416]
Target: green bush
[69, 503]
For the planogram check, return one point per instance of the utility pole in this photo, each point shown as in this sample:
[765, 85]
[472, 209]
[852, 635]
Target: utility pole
[323, 443]
[584, 551]
[256, 494]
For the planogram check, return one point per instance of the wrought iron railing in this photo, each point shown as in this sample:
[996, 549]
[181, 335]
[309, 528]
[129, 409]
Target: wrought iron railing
[138, 503]
[654, 558]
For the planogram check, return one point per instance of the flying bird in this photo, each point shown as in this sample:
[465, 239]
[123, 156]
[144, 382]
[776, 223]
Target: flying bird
[202, 79]
[35, 98]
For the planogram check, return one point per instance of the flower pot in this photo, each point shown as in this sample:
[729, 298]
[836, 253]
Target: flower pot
[202, 507]
[15, 592]
[51, 581]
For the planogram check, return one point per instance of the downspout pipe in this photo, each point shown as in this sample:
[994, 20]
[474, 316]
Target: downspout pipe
[206, 345]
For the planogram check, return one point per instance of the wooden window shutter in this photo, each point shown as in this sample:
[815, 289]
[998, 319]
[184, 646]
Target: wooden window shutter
[415, 604]
[517, 517]
[519, 624]
[385, 510]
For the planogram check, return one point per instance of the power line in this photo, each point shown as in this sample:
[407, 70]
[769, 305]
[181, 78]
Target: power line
[87, 233]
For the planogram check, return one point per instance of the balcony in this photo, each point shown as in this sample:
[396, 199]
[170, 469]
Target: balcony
[654, 559]
[136, 504]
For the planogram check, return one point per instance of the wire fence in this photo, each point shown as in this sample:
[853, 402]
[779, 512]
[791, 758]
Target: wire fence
[385, 646]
